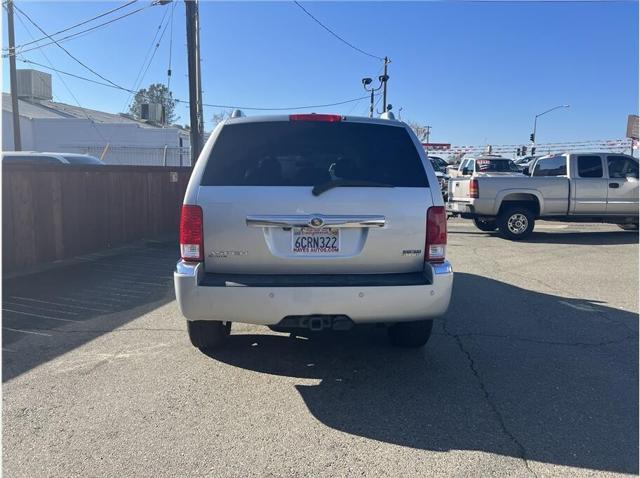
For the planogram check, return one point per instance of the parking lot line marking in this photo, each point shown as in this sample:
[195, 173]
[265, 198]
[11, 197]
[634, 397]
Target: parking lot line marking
[63, 305]
[584, 308]
[16, 304]
[26, 331]
[39, 315]
[118, 292]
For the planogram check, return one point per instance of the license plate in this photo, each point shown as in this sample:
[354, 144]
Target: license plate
[311, 240]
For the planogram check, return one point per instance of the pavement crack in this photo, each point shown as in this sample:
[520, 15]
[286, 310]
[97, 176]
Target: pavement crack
[522, 452]
[546, 342]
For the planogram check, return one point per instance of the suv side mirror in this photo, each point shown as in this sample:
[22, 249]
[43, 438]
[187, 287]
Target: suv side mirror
[525, 170]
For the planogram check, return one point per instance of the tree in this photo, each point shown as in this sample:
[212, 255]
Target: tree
[155, 93]
[221, 116]
[422, 132]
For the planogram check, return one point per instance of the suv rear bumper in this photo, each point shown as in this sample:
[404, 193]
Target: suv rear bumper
[364, 301]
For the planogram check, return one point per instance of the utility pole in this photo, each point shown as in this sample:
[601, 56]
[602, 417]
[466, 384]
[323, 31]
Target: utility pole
[384, 85]
[195, 81]
[17, 143]
[427, 134]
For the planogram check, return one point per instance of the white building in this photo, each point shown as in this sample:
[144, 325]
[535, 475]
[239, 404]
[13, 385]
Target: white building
[46, 125]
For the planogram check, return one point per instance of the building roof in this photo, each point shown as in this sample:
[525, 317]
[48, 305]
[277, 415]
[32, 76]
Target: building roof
[41, 109]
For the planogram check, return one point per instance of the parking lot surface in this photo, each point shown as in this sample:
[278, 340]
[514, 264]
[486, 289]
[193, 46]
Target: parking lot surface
[532, 372]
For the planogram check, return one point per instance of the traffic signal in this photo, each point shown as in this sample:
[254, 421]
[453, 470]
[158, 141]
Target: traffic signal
[518, 151]
[533, 151]
[524, 151]
[532, 137]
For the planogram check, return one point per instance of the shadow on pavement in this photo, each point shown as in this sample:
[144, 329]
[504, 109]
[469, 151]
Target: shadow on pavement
[47, 314]
[538, 377]
[591, 238]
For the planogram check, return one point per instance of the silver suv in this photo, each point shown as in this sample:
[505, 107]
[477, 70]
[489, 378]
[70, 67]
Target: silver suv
[312, 222]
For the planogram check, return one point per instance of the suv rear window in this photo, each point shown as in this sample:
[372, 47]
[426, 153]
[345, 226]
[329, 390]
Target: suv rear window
[306, 153]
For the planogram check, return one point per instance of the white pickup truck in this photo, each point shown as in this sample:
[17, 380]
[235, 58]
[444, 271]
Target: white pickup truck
[582, 187]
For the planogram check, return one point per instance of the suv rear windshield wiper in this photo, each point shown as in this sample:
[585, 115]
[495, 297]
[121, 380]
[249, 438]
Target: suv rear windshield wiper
[336, 183]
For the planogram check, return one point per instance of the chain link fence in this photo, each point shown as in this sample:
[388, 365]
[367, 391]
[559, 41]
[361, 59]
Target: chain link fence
[137, 156]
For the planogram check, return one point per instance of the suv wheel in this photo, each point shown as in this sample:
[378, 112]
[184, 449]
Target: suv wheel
[208, 334]
[516, 223]
[410, 334]
[628, 227]
[486, 225]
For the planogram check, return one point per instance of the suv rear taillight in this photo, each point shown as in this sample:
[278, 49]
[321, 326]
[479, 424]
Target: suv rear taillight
[473, 188]
[436, 243]
[191, 242]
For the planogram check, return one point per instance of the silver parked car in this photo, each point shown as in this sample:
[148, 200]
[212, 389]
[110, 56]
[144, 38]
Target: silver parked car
[41, 159]
[312, 222]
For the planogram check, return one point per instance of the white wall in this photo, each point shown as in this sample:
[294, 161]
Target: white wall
[26, 132]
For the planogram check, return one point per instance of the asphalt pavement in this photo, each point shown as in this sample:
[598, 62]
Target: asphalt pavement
[532, 372]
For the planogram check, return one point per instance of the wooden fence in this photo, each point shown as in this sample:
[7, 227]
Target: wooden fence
[58, 212]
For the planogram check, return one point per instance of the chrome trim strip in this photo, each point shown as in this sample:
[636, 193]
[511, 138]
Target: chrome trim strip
[444, 268]
[305, 221]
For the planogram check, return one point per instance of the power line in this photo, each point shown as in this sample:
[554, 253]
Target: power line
[283, 108]
[139, 77]
[248, 108]
[76, 34]
[336, 35]
[79, 24]
[65, 50]
[173, 7]
[91, 122]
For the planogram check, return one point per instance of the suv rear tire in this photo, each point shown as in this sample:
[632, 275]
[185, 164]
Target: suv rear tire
[486, 225]
[410, 334]
[208, 334]
[516, 223]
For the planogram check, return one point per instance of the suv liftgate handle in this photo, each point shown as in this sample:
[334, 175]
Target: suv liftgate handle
[315, 220]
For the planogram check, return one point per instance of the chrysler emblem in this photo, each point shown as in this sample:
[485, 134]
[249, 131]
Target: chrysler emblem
[316, 222]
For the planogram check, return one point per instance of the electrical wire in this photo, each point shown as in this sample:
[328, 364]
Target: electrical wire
[84, 111]
[65, 50]
[248, 108]
[173, 7]
[77, 24]
[76, 34]
[336, 35]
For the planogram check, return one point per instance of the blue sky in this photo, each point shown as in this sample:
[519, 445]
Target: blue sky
[477, 72]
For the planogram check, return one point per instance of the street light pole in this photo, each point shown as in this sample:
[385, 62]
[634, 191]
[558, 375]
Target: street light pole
[366, 82]
[535, 124]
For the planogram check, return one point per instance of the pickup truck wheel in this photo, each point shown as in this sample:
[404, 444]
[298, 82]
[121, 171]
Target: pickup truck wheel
[486, 225]
[208, 334]
[516, 223]
[628, 227]
[410, 334]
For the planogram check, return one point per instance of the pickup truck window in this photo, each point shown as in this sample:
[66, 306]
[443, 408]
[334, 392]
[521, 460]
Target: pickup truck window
[590, 166]
[496, 166]
[554, 166]
[622, 166]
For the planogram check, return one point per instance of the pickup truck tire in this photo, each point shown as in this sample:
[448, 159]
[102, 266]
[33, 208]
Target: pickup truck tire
[516, 223]
[486, 225]
[410, 334]
[208, 334]
[628, 227]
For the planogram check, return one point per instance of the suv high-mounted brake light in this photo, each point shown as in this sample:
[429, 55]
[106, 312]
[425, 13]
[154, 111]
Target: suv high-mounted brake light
[436, 243]
[191, 240]
[315, 117]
